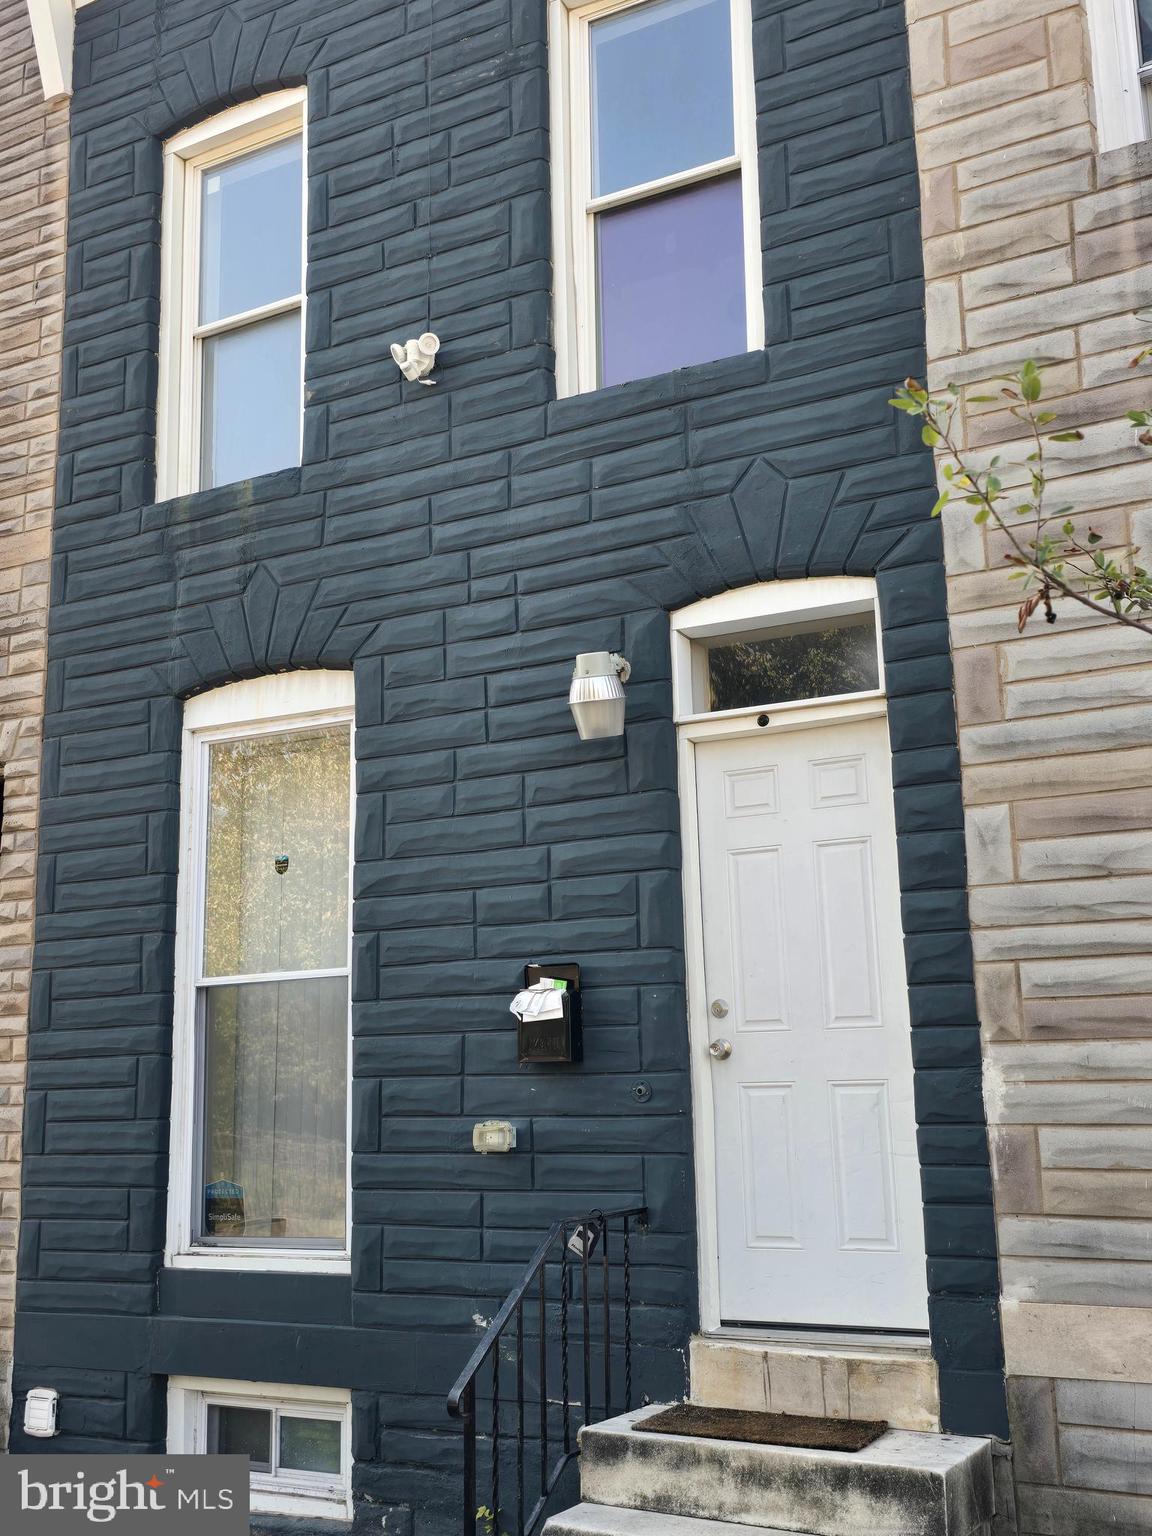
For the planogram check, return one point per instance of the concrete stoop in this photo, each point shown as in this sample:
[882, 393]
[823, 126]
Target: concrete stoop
[904, 1484]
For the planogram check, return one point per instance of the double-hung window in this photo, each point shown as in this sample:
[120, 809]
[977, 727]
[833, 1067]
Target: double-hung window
[232, 297]
[1121, 36]
[656, 214]
[260, 1093]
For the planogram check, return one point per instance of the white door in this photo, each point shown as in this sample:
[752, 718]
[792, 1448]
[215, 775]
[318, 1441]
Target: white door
[818, 1207]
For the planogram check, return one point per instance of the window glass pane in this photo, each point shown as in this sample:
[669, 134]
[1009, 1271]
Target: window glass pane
[251, 401]
[277, 877]
[309, 1445]
[241, 1432]
[275, 1109]
[835, 658]
[661, 91]
[251, 251]
[671, 281]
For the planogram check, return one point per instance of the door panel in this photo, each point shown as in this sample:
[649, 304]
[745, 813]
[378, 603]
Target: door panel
[817, 1190]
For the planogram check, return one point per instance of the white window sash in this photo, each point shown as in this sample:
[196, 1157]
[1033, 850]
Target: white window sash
[187, 155]
[285, 1492]
[1122, 116]
[574, 209]
[262, 706]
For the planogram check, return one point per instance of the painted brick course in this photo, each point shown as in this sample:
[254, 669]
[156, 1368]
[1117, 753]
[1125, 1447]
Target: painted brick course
[33, 160]
[456, 547]
[1036, 246]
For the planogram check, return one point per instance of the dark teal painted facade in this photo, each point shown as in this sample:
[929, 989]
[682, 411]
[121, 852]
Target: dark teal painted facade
[456, 547]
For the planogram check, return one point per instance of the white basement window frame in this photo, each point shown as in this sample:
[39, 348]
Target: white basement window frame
[259, 706]
[1122, 71]
[574, 208]
[277, 1491]
[188, 155]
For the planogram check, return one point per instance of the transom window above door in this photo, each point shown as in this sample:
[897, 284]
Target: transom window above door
[232, 297]
[656, 216]
[777, 646]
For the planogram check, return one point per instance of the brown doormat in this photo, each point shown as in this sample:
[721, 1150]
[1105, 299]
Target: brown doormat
[795, 1429]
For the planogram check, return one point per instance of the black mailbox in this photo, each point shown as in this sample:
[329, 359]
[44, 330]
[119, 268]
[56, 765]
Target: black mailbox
[555, 1041]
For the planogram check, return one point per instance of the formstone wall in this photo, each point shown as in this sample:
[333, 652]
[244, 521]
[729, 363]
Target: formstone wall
[1038, 246]
[456, 547]
[33, 164]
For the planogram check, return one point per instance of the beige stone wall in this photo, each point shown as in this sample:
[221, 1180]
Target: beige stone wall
[33, 165]
[1036, 246]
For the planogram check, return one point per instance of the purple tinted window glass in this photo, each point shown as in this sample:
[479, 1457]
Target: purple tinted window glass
[671, 281]
[1144, 10]
[661, 91]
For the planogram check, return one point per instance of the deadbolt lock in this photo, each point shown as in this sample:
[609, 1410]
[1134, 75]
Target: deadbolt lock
[719, 1009]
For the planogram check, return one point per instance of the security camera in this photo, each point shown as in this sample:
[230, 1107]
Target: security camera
[416, 357]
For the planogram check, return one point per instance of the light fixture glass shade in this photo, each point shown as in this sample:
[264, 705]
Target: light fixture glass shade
[597, 694]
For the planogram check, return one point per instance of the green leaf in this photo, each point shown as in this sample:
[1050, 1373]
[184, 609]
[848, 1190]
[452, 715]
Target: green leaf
[941, 502]
[929, 435]
[982, 516]
[1094, 537]
[1044, 417]
[983, 399]
[1066, 437]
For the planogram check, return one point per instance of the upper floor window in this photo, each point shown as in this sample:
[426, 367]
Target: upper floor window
[656, 213]
[1121, 34]
[232, 297]
[260, 1095]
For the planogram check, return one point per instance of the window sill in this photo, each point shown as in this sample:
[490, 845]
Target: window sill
[582, 408]
[1131, 162]
[298, 1263]
[192, 505]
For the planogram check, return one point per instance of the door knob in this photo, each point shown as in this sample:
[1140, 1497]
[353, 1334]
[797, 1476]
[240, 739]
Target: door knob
[718, 1008]
[720, 1050]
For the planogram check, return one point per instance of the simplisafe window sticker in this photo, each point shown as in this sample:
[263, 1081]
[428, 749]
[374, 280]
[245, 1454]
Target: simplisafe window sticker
[183, 1495]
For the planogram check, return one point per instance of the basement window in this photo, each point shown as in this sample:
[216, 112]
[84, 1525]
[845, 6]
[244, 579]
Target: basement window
[297, 1440]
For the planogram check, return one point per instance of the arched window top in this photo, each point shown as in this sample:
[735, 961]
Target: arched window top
[282, 694]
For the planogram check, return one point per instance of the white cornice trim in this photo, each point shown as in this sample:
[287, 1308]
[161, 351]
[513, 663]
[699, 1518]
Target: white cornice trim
[53, 23]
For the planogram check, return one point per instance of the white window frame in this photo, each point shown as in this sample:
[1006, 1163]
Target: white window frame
[1122, 83]
[238, 131]
[260, 706]
[757, 611]
[746, 610]
[276, 1493]
[575, 320]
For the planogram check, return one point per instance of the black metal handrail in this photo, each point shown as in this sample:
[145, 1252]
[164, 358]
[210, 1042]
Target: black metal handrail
[546, 1288]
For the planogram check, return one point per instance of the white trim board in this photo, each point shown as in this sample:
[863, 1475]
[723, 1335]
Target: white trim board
[1114, 38]
[53, 25]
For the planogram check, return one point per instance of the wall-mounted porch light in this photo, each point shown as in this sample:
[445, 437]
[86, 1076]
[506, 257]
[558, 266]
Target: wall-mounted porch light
[597, 694]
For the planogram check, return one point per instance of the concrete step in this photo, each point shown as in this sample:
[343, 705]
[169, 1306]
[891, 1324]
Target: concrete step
[904, 1484]
[611, 1520]
[842, 1378]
